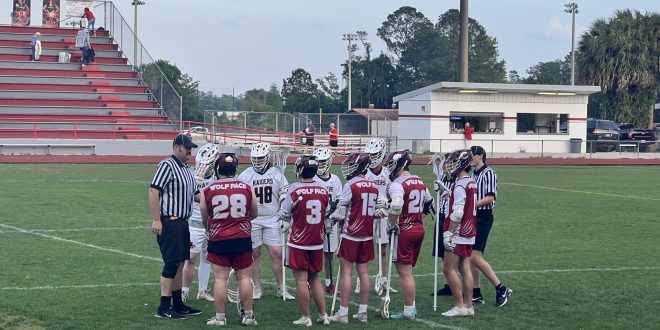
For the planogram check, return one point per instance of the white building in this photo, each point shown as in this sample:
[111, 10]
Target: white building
[507, 118]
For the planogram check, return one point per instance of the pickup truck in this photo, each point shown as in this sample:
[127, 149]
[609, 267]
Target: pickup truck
[645, 137]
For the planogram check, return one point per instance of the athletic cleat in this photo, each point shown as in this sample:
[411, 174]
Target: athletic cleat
[186, 310]
[217, 322]
[304, 320]
[362, 317]
[184, 296]
[169, 313]
[287, 294]
[256, 292]
[478, 300]
[470, 311]
[249, 320]
[502, 296]
[456, 311]
[445, 291]
[330, 289]
[403, 316]
[205, 295]
[343, 319]
[323, 319]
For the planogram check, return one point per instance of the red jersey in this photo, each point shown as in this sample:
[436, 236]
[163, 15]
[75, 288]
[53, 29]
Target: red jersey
[414, 194]
[360, 195]
[228, 202]
[308, 214]
[334, 134]
[463, 194]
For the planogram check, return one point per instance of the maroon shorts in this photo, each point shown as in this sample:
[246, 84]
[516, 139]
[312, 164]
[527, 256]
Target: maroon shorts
[306, 260]
[463, 250]
[237, 261]
[356, 251]
[407, 245]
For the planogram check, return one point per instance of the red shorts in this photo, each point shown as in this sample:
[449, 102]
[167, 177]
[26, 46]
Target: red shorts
[306, 260]
[237, 261]
[407, 245]
[356, 251]
[463, 250]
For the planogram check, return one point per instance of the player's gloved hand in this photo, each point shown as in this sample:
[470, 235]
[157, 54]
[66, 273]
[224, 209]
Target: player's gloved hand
[428, 206]
[448, 241]
[336, 217]
[328, 225]
[285, 226]
[438, 186]
[393, 229]
[381, 213]
[284, 216]
[382, 203]
[332, 206]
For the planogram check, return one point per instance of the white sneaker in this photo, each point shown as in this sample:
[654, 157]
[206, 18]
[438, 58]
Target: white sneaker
[217, 322]
[456, 311]
[304, 320]
[249, 320]
[357, 286]
[362, 317]
[343, 319]
[470, 311]
[184, 296]
[256, 292]
[205, 295]
[287, 295]
[323, 319]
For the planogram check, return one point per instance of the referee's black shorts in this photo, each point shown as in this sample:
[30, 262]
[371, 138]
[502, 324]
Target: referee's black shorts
[440, 247]
[174, 240]
[484, 224]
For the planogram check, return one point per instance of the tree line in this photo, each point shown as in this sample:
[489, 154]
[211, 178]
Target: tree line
[621, 54]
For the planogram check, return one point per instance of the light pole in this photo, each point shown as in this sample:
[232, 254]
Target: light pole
[135, 4]
[350, 37]
[572, 8]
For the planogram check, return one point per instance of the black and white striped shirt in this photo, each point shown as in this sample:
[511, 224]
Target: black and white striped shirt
[487, 185]
[444, 204]
[177, 186]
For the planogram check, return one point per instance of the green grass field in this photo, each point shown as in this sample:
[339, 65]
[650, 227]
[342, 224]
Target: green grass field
[578, 245]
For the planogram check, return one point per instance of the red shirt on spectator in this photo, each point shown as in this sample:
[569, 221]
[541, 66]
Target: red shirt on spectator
[88, 14]
[334, 134]
[468, 132]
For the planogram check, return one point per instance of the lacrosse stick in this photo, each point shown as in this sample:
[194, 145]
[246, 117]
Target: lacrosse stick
[436, 163]
[233, 291]
[385, 301]
[378, 286]
[284, 241]
[334, 295]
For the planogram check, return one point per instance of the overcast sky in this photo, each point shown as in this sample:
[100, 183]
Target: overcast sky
[249, 44]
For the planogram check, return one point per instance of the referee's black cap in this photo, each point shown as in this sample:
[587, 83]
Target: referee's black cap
[185, 141]
[479, 150]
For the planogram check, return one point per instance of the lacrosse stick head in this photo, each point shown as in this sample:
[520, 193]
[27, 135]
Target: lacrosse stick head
[378, 286]
[385, 307]
[232, 288]
[437, 160]
[280, 157]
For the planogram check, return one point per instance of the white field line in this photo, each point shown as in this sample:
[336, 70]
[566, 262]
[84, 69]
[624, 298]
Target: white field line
[75, 181]
[74, 230]
[426, 322]
[579, 191]
[84, 286]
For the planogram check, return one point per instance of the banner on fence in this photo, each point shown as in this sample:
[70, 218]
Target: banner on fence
[75, 8]
[20, 15]
[51, 14]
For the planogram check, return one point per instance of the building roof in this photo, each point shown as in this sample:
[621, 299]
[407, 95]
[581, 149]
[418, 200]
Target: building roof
[378, 114]
[488, 88]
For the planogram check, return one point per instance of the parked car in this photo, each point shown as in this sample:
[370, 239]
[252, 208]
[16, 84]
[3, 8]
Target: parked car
[602, 135]
[645, 137]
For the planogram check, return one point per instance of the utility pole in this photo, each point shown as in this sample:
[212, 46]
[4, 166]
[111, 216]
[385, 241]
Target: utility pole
[463, 50]
[350, 37]
[135, 4]
[572, 8]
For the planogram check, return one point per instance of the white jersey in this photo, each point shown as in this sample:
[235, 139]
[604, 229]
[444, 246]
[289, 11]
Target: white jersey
[381, 179]
[267, 188]
[333, 184]
[195, 220]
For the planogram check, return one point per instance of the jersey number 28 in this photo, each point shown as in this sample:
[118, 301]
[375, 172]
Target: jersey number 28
[224, 206]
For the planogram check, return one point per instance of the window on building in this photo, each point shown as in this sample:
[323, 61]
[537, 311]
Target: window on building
[482, 122]
[542, 123]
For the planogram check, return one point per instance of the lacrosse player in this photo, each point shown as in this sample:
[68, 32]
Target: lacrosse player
[303, 215]
[459, 231]
[357, 202]
[409, 199]
[228, 206]
[268, 183]
[487, 184]
[333, 184]
[204, 161]
[381, 176]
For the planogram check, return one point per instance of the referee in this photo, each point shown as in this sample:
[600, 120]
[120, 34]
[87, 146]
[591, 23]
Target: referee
[170, 201]
[487, 193]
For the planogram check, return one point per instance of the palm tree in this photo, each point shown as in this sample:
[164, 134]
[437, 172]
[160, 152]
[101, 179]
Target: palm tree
[621, 54]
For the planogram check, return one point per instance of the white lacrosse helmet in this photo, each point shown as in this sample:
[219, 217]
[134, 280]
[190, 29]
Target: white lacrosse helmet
[260, 156]
[204, 161]
[376, 150]
[324, 157]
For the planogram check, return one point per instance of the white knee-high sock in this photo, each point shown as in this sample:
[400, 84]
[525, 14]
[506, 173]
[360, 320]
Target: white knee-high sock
[203, 273]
